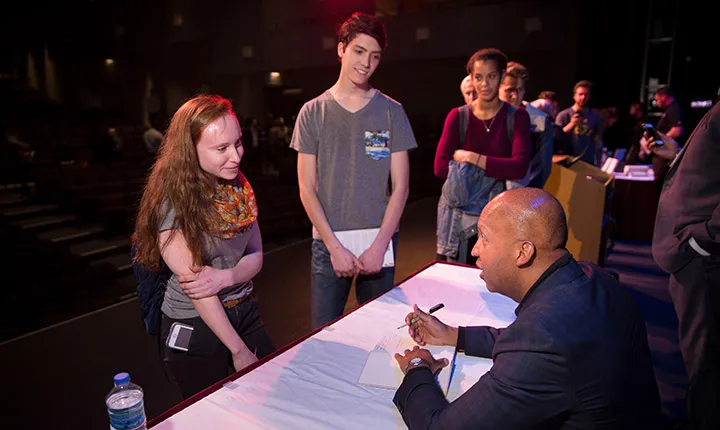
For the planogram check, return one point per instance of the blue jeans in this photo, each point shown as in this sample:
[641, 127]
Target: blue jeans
[328, 293]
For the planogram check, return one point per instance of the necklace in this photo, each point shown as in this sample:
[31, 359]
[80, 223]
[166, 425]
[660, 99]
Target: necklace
[488, 127]
[492, 120]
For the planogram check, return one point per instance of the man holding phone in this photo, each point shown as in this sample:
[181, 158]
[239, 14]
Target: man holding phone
[686, 244]
[582, 125]
[670, 123]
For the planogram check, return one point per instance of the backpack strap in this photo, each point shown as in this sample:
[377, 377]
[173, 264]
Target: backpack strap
[510, 121]
[463, 114]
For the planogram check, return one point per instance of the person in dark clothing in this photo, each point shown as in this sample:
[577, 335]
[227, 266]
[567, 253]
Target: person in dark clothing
[633, 131]
[576, 357]
[686, 244]
[582, 126]
[670, 124]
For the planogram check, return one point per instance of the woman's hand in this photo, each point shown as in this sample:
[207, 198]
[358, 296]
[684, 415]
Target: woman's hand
[206, 283]
[463, 156]
[243, 359]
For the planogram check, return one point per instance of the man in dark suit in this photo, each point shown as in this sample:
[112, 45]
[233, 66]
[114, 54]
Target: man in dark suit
[686, 244]
[576, 356]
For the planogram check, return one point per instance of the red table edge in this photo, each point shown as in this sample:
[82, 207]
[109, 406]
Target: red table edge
[216, 386]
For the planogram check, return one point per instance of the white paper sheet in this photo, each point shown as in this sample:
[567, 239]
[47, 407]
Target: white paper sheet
[468, 370]
[358, 241]
[382, 370]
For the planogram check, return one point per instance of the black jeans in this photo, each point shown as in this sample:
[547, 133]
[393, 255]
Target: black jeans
[695, 292]
[207, 359]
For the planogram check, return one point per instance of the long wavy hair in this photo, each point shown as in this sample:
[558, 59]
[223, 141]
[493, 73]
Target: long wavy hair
[177, 182]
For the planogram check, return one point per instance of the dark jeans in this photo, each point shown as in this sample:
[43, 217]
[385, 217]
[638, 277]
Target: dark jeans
[328, 293]
[695, 291]
[207, 359]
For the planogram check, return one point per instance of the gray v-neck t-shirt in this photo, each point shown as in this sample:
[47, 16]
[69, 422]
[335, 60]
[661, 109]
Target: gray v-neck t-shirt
[353, 156]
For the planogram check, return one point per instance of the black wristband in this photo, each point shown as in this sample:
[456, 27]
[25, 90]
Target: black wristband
[461, 339]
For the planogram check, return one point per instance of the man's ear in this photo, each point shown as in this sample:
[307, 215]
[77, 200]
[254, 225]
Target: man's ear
[526, 254]
[340, 50]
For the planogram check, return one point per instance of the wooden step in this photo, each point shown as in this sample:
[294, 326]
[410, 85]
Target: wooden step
[43, 221]
[16, 186]
[119, 262]
[8, 199]
[97, 246]
[64, 234]
[27, 210]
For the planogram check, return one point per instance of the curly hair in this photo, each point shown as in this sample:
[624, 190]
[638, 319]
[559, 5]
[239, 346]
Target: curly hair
[488, 54]
[177, 182]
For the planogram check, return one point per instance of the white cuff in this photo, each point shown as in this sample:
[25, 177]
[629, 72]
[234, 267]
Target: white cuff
[694, 245]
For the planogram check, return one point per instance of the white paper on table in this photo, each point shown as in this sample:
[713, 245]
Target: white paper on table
[383, 371]
[467, 371]
[358, 241]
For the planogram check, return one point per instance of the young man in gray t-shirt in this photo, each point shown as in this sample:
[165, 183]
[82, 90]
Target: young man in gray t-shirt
[350, 140]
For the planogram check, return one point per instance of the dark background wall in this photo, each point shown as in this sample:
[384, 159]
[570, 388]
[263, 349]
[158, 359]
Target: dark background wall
[228, 47]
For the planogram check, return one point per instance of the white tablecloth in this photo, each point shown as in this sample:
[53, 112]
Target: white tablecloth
[314, 384]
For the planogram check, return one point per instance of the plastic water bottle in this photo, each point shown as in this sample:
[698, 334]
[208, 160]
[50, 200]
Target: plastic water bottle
[125, 404]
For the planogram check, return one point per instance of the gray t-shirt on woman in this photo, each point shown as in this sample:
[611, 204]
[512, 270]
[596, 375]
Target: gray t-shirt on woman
[217, 253]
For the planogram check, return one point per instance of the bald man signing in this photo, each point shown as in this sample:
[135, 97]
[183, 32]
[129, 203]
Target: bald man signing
[576, 357]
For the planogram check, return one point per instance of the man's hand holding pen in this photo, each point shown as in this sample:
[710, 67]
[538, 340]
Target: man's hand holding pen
[428, 330]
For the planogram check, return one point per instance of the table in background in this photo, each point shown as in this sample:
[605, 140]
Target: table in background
[312, 383]
[634, 206]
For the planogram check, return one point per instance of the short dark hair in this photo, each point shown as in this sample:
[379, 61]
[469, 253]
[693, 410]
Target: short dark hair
[361, 23]
[665, 91]
[548, 95]
[488, 54]
[517, 71]
[583, 84]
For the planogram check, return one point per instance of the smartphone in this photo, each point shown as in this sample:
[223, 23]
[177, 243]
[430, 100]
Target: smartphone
[179, 336]
[651, 132]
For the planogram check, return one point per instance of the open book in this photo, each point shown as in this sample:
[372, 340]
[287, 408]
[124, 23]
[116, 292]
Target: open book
[383, 371]
[358, 241]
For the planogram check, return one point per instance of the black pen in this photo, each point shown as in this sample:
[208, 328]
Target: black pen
[416, 319]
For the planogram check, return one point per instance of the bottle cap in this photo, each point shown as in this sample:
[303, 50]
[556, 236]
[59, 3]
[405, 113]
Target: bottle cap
[121, 378]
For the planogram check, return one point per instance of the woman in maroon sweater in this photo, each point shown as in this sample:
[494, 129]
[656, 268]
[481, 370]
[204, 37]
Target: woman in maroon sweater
[487, 144]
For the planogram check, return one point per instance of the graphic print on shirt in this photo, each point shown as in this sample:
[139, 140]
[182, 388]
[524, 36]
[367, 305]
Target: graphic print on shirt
[377, 144]
[582, 129]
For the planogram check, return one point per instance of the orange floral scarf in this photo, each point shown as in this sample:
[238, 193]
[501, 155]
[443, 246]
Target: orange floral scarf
[235, 208]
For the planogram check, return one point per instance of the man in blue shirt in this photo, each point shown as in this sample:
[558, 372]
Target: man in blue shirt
[583, 126]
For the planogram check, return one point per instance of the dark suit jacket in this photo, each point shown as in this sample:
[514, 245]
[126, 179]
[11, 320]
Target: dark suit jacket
[576, 357]
[690, 201]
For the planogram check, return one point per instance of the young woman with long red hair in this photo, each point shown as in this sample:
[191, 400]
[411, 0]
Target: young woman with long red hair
[198, 214]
